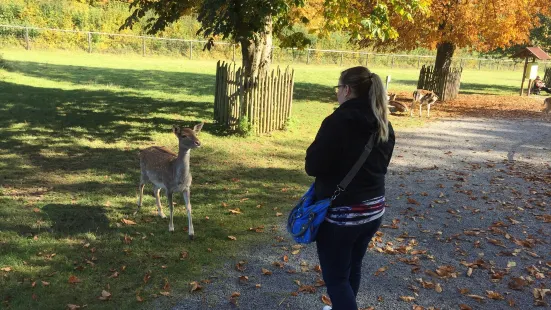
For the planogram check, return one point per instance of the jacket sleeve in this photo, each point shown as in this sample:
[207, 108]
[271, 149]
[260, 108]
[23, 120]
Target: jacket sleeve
[326, 148]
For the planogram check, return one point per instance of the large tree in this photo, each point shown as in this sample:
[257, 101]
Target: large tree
[252, 23]
[480, 25]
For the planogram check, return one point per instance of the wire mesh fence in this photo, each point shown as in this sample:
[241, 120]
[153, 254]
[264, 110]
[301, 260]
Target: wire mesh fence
[119, 43]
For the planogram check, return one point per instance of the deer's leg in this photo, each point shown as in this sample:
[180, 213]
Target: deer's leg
[140, 196]
[171, 207]
[157, 194]
[428, 110]
[188, 208]
[420, 108]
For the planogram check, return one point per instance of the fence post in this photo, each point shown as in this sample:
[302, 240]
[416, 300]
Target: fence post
[387, 82]
[190, 50]
[143, 46]
[27, 38]
[307, 56]
[233, 52]
[418, 62]
[89, 43]
[366, 59]
[342, 55]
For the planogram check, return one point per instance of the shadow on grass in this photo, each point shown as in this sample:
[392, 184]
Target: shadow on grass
[486, 89]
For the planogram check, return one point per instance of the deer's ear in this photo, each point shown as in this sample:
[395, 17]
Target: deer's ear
[197, 128]
[176, 130]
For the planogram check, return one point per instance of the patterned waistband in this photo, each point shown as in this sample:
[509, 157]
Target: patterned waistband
[357, 214]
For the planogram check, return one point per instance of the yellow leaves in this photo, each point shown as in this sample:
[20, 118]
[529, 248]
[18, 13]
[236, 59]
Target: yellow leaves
[446, 272]
[235, 211]
[105, 295]
[74, 280]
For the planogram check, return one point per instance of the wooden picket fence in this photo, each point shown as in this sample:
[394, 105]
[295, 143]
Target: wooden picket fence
[266, 101]
[445, 84]
[547, 77]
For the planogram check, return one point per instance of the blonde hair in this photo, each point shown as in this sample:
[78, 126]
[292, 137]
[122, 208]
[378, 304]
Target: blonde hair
[367, 85]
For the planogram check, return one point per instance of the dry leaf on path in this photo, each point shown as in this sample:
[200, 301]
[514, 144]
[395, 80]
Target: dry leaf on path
[407, 298]
[194, 286]
[105, 295]
[326, 300]
[266, 272]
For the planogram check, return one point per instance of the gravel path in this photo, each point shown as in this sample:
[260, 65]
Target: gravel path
[462, 193]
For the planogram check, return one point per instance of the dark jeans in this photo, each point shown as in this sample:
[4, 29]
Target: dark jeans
[340, 251]
[546, 89]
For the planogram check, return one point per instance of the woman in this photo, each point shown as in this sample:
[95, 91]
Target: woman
[356, 214]
[539, 86]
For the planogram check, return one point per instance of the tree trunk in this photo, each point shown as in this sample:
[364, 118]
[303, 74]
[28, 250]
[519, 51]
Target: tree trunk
[444, 56]
[257, 53]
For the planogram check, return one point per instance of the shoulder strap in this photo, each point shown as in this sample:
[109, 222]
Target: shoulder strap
[354, 170]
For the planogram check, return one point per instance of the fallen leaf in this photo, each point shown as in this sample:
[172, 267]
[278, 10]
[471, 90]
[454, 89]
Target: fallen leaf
[464, 291]
[139, 298]
[266, 272]
[44, 283]
[166, 287]
[381, 270]
[326, 300]
[105, 295]
[184, 255]
[164, 293]
[243, 278]
[240, 266]
[235, 294]
[279, 214]
[285, 258]
[517, 283]
[258, 286]
[146, 277]
[407, 298]
[413, 201]
[476, 297]
[438, 288]
[235, 211]
[72, 307]
[464, 307]
[73, 280]
[307, 289]
[6, 269]
[494, 295]
[232, 238]
[295, 252]
[128, 222]
[114, 275]
[194, 286]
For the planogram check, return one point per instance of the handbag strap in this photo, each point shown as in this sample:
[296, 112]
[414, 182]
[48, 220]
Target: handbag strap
[354, 170]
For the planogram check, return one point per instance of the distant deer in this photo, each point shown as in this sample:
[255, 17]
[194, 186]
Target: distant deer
[170, 171]
[424, 97]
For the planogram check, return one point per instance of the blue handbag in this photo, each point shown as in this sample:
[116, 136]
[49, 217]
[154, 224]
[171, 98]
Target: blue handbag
[306, 217]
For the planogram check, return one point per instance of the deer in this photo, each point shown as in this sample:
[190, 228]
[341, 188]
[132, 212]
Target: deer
[423, 97]
[170, 171]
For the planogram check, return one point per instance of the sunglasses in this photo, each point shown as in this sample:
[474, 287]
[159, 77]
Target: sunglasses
[337, 87]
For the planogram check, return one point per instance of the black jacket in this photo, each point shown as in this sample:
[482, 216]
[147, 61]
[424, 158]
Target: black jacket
[338, 145]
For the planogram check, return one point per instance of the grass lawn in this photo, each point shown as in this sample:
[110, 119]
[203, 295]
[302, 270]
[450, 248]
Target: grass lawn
[70, 128]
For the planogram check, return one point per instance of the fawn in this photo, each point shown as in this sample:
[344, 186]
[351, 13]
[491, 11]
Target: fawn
[170, 171]
[423, 97]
